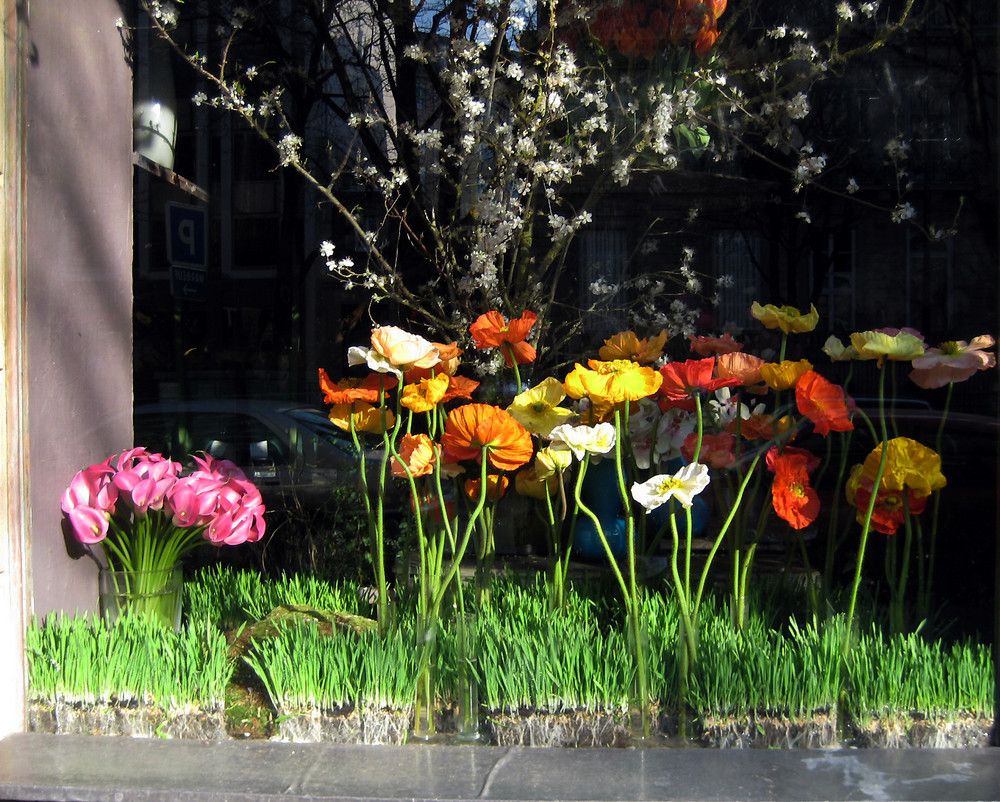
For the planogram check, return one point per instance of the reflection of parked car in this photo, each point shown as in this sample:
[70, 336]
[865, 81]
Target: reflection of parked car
[291, 451]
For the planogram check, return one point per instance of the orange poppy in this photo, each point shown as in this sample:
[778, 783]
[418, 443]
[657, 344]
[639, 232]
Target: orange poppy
[795, 501]
[459, 387]
[491, 331]
[496, 486]
[473, 427]
[823, 403]
[416, 452]
[425, 394]
[347, 391]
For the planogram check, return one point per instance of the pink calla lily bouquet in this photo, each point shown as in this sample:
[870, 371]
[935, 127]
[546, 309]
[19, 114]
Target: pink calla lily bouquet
[147, 514]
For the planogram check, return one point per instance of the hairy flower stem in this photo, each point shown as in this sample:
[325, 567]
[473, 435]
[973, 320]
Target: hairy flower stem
[866, 526]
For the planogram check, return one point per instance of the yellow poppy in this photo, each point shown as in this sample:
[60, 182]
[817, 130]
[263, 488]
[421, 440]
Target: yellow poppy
[424, 395]
[608, 383]
[627, 345]
[786, 318]
[908, 464]
[784, 375]
[366, 417]
[538, 410]
[898, 346]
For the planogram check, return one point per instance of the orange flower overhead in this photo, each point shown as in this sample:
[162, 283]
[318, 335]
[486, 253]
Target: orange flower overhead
[473, 427]
[627, 345]
[347, 391]
[823, 403]
[491, 331]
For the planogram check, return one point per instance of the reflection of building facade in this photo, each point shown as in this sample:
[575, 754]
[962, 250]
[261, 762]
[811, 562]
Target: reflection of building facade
[271, 315]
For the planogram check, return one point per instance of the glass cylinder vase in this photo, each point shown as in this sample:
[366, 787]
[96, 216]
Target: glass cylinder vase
[155, 594]
[467, 647]
[425, 701]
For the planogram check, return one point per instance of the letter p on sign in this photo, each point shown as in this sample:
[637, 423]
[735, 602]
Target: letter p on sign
[187, 235]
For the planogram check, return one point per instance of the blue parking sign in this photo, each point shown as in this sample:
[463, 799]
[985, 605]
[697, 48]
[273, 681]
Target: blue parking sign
[187, 235]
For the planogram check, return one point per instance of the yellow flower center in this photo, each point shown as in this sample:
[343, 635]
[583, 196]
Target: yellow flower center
[669, 483]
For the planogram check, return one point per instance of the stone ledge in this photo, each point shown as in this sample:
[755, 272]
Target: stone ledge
[107, 769]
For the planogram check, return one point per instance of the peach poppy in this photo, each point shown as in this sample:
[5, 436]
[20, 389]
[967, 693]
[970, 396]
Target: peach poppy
[496, 487]
[745, 367]
[627, 345]
[714, 346]
[402, 349]
[784, 375]
[347, 391]
[794, 499]
[952, 362]
[823, 402]
[426, 394]
[491, 331]
[366, 417]
[416, 452]
[448, 353]
[473, 427]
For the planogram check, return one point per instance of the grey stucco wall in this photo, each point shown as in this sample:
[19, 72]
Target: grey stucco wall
[79, 254]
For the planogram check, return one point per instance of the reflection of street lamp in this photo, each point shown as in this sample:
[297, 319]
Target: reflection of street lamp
[154, 109]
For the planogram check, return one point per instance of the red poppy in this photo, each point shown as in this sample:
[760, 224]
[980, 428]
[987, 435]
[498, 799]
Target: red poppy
[347, 391]
[823, 403]
[473, 427]
[682, 380]
[890, 511]
[717, 450]
[713, 346]
[491, 331]
[793, 498]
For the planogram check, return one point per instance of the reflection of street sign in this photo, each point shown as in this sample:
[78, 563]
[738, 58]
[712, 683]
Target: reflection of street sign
[188, 283]
[187, 235]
